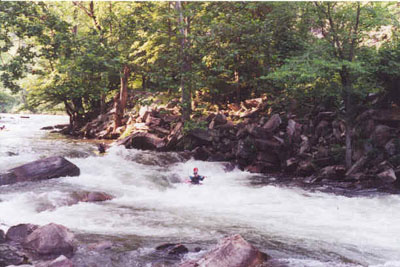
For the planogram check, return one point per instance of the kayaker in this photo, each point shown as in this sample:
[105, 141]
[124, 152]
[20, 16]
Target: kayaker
[196, 178]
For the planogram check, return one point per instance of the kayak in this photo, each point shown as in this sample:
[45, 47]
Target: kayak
[190, 182]
[99, 154]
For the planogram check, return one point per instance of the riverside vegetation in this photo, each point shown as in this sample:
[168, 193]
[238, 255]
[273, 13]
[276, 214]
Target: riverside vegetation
[304, 88]
[308, 92]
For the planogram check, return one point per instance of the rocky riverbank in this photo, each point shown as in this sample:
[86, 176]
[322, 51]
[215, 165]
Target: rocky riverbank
[54, 245]
[310, 148]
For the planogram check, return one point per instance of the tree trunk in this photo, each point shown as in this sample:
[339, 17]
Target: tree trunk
[237, 85]
[120, 102]
[185, 63]
[237, 75]
[346, 83]
[144, 82]
[102, 103]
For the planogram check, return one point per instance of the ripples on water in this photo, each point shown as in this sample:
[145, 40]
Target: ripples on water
[152, 205]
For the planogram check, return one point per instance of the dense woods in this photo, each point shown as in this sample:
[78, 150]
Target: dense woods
[92, 57]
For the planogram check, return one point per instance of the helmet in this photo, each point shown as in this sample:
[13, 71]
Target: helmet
[195, 170]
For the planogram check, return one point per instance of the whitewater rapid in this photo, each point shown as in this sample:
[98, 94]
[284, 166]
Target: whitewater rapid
[153, 202]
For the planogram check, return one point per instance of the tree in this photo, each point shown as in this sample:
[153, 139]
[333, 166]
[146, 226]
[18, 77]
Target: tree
[336, 34]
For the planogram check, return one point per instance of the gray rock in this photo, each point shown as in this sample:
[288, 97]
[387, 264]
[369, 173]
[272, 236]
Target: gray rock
[332, 172]
[305, 145]
[273, 123]
[18, 233]
[146, 141]
[381, 135]
[10, 255]
[61, 261]
[42, 169]
[51, 239]
[388, 176]
[390, 147]
[201, 134]
[232, 251]
[267, 145]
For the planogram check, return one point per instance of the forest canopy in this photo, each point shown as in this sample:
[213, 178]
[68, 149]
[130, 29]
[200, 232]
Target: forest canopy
[86, 56]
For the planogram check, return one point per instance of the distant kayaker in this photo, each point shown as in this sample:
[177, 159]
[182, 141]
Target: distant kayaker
[101, 148]
[196, 178]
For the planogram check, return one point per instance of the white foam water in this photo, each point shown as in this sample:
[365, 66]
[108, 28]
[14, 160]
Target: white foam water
[151, 200]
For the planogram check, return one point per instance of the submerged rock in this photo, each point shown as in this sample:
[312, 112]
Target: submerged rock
[47, 128]
[42, 169]
[51, 239]
[173, 249]
[102, 245]
[89, 197]
[232, 251]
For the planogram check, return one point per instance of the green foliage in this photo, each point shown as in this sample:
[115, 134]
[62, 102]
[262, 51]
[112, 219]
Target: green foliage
[387, 71]
[7, 102]
[74, 53]
[191, 125]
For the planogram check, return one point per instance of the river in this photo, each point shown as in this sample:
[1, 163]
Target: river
[152, 206]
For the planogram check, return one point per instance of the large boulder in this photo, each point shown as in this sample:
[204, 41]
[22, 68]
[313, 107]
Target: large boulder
[10, 255]
[42, 169]
[18, 233]
[51, 239]
[232, 251]
[146, 141]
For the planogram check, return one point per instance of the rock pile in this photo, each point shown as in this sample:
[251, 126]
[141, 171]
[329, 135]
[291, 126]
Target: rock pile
[259, 141]
[45, 246]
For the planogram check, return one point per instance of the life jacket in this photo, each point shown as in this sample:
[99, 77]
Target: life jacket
[196, 179]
